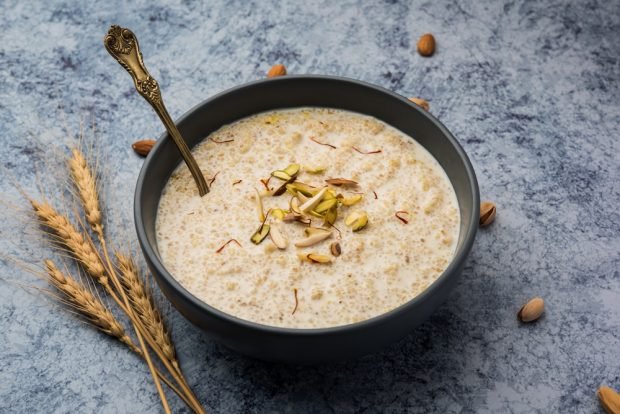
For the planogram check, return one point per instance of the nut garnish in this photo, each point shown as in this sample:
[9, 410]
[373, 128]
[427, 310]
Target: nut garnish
[278, 213]
[610, 399]
[292, 170]
[276, 70]
[357, 220]
[259, 206]
[260, 234]
[532, 310]
[314, 170]
[277, 237]
[487, 213]
[340, 181]
[331, 215]
[335, 249]
[315, 236]
[351, 200]
[143, 147]
[314, 258]
[299, 187]
[421, 102]
[325, 205]
[426, 45]
[314, 201]
[281, 175]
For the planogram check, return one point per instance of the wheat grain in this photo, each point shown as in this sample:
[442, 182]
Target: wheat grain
[89, 306]
[143, 303]
[68, 236]
[86, 185]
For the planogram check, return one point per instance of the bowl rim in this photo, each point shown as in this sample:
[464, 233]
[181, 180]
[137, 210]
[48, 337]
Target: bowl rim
[458, 259]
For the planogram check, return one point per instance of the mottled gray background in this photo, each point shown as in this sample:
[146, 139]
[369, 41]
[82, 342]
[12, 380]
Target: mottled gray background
[530, 89]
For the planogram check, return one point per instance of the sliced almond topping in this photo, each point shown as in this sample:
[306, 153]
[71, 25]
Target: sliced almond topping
[313, 239]
[314, 201]
[294, 204]
[314, 258]
[277, 237]
[340, 181]
[309, 231]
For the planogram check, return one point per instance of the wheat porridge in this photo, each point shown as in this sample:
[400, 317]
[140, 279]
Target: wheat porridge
[316, 218]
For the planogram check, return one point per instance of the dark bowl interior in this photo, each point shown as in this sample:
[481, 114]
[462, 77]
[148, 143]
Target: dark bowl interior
[307, 345]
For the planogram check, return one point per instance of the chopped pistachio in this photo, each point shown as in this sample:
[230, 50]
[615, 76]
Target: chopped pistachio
[302, 188]
[357, 220]
[325, 205]
[310, 231]
[281, 175]
[351, 200]
[330, 194]
[278, 213]
[277, 237]
[314, 201]
[315, 214]
[314, 170]
[260, 234]
[331, 215]
[259, 206]
[292, 170]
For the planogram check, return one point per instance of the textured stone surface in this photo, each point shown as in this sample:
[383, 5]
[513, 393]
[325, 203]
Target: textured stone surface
[531, 90]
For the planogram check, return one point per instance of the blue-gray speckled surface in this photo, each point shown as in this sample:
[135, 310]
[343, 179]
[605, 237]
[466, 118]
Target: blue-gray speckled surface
[531, 90]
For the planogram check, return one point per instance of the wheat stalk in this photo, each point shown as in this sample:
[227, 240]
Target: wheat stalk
[142, 301]
[95, 312]
[87, 190]
[91, 308]
[85, 183]
[69, 237]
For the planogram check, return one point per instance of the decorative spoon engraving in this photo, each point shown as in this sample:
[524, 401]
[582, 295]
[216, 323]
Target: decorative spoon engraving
[122, 44]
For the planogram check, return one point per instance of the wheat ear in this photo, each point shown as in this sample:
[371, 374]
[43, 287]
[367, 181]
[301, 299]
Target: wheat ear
[142, 301]
[95, 312]
[90, 307]
[68, 236]
[87, 190]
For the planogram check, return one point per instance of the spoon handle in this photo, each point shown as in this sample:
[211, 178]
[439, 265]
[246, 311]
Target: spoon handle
[122, 44]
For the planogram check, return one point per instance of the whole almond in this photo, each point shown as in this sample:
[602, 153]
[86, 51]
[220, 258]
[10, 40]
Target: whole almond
[143, 147]
[426, 45]
[276, 70]
[421, 102]
[487, 213]
[532, 310]
[610, 400]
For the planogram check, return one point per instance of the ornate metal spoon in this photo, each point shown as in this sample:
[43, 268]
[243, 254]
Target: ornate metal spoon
[122, 44]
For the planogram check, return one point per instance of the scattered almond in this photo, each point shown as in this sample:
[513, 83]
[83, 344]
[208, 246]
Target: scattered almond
[340, 181]
[532, 310]
[314, 258]
[426, 45]
[314, 238]
[313, 202]
[421, 102]
[335, 249]
[610, 400]
[487, 213]
[143, 147]
[276, 70]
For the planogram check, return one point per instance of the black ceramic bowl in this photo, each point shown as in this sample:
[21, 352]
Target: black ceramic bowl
[307, 345]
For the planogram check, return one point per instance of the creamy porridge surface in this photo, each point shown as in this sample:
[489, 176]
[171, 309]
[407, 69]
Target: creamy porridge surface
[381, 266]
